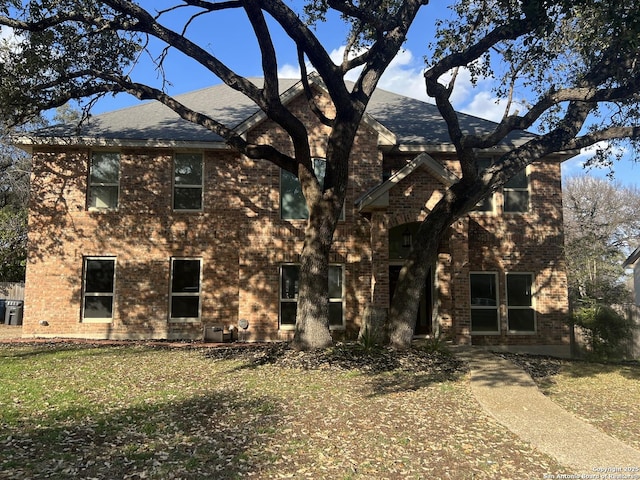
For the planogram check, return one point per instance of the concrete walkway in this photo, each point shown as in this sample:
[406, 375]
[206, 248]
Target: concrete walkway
[509, 395]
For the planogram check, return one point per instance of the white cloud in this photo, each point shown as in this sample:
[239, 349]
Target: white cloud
[8, 34]
[579, 165]
[10, 41]
[486, 106]
[289, 71]
[405, 77]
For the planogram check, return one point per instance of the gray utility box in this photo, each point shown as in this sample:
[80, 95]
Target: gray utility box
[217, 334]
[13, 312]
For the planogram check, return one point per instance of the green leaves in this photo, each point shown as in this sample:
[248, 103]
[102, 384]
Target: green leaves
[13, 244]
[61, 50]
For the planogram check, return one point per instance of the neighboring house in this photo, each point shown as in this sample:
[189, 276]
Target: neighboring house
[634, 262]
[147, 226]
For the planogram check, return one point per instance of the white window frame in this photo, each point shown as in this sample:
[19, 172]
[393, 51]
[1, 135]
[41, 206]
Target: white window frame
[86, 294]
[283, 172]
[334, 300]
[286, 300]
[478, 307]
[340, 299]
[173, 294]
[91, 185]
[530, 307]
[194, 186]
[483, 164]
[506, 189]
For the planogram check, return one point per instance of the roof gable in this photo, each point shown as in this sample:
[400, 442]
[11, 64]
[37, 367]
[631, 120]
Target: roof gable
[378, 196]
[385, 136]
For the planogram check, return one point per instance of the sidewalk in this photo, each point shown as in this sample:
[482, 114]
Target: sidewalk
[510, 396]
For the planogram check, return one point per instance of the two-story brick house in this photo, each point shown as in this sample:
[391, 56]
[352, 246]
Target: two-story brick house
[143, 225]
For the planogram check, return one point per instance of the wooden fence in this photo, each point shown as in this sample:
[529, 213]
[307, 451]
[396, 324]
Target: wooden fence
[12, 291]
[632, 312]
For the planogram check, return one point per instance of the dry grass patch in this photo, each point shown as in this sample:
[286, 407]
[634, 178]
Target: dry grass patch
[605, 395]
[135, 412]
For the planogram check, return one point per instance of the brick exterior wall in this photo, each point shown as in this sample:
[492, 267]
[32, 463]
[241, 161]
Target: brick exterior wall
[242, 242]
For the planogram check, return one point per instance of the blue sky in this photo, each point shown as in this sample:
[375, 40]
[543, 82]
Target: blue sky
[232, 40]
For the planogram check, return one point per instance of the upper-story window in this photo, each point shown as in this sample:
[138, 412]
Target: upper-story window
[292, 202]
[516, 193]
[187, 181]
[104, 181]
[486, 204]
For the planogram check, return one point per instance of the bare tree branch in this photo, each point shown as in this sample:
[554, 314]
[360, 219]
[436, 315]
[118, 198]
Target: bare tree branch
[309, 93]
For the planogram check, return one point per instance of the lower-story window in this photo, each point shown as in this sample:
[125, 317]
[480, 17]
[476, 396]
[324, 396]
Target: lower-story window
[289, 285]
[185, 289]
[520, 311]
[484, 303]
[98, 289]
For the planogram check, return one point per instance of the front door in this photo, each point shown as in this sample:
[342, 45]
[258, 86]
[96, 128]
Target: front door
[424, 324]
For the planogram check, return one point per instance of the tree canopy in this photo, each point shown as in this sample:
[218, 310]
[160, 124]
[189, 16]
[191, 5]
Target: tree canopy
[568, 69]
[602, 227]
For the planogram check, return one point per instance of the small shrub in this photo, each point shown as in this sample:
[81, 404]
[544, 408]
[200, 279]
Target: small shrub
[605, 330]
[435, 344]
[368, 339]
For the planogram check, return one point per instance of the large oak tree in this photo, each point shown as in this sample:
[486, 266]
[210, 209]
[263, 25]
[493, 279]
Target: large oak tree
[574, 59]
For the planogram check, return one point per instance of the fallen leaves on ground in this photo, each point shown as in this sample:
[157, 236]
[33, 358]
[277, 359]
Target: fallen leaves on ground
[607, 395]
[137, 411]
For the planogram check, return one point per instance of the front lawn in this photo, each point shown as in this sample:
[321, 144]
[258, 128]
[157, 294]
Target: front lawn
[136, 412]
[605, 395]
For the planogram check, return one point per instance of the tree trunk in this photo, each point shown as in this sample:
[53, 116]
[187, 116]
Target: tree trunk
[312, 319]
[406, 298]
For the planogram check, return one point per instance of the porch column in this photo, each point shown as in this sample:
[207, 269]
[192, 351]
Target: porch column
[379, 261]
[460, 282]
[375, 315]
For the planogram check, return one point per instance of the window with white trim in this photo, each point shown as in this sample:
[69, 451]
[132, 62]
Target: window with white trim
[516, 193]
[104, 181]
[292, 202]
[98, 289]
[185, 289]
[520, 312]
[486, 204]
[484, 303]
[187, 181]
[289, 287]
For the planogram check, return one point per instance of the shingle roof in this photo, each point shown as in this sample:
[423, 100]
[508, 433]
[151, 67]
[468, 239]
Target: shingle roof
[413, 122]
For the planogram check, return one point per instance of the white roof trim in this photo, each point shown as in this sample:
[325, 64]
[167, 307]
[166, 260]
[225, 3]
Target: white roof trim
[28, 142]
[260, 116]
[499, 149]
[378, 196]
[385, 136]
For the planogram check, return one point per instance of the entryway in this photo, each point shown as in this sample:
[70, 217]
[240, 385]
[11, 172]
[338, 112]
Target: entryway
[424, 320]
